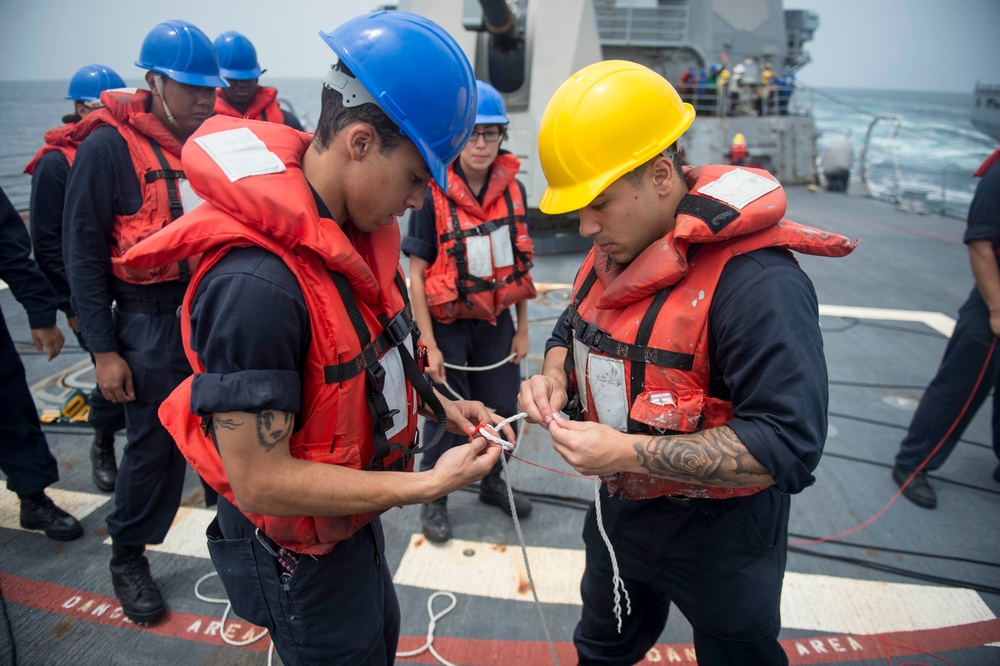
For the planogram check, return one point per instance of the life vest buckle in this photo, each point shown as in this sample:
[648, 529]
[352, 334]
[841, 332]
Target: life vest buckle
[398, 328]
[376, 374]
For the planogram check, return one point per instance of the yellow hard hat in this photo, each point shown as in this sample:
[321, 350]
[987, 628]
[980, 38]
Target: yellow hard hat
[739, 139]
[601, 123]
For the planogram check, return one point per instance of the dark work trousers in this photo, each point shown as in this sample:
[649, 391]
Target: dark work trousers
[721, 562]
[963, 361]
[338, 608]
[24, 452]
[151, 473]
[474, 343]
[105, 416]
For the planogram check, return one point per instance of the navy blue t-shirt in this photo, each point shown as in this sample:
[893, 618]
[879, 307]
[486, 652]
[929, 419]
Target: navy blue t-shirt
[766, 356]
[250, 329]
[984, 213]
[48, 192]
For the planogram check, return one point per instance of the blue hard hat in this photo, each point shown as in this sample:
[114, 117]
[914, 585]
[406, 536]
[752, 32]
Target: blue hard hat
[490, 110]
[237, 57]
[88, 82]
[181, 51]
[418, 75]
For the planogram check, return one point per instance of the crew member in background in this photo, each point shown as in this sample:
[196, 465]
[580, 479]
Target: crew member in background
[969, 355]
[836, 164]
[125, 184]
[738, 153]
[693, 351]
[25, 458]
[469, 256]
[243, 98]
[302, 341]
[49, 171]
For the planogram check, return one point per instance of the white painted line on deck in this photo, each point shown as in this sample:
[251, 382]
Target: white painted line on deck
[77, 504]
[940, 322]
[3, 285]
[186, 535]
[813, 602]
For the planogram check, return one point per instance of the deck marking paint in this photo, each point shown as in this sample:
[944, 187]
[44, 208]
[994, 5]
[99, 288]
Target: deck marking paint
[808, 601]
[79, 505]
[827, 649]
[495, 571]
[940, 322]
[186, 535]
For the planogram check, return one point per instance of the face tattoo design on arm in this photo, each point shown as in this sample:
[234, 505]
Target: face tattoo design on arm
[272, 427]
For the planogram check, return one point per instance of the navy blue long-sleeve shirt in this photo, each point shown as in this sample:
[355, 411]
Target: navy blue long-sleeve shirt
[766, 356]
[21, 274]
[48, 192]
[101, 185]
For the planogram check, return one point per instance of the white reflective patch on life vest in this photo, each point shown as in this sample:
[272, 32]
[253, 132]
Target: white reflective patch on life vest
[479, 255]
[189, 200]
[239, 153]
[503, 253]
[607, 385]
[739, 187]
[394, 391]
[580, 354]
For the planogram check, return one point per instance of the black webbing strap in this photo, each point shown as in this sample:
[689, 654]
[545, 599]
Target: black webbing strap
[394, 334]
[173, 195]
[484, 229]
[638, 368]
[574, 408]
[715, 214]
[417, 379]
[600, 340]
[458, 251]
[520, 257]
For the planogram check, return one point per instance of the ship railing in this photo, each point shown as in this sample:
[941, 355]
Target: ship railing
[776, 100]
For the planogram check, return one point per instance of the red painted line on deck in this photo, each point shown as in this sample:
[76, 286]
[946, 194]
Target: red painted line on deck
[835, 649]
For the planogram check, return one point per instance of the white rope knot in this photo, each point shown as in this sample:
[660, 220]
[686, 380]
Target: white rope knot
[484, 430]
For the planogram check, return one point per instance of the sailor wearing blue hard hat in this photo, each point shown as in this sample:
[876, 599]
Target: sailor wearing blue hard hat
[312, 416]
[244, 98]
[49, 171]
[470, 254]
[126, 183]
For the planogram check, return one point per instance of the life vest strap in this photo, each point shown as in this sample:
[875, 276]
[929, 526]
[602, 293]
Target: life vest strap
[600, 340]
[171, 176]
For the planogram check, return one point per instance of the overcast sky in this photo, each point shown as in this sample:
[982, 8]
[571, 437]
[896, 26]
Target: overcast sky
[898, 44]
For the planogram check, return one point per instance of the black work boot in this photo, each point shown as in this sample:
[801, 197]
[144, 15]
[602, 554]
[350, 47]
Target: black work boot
[38, 512]
[102, 459]
[919, 491]
[434, 520]
[134, 585]
[493, 490]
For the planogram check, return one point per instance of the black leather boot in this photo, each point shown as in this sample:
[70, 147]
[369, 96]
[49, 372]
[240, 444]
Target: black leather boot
[134, 585]
[493, 490]
[434, 520]
[102, 459]
[39, 512]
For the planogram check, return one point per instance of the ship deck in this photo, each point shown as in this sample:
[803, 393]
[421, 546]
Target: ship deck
[912, 582]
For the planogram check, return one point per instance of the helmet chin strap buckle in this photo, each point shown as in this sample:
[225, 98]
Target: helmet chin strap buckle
[350, 89]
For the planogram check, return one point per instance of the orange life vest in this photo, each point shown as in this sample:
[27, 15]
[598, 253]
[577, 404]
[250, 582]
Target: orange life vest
[156, 156]
[58, 138]
[264, 106]
[652, 318]
[498, 227]
[360, 321]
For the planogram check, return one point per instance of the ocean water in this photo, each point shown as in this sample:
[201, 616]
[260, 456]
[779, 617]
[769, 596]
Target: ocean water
[933, 150]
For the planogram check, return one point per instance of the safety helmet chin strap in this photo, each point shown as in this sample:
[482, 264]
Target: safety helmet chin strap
[158, 82]
[350, 89]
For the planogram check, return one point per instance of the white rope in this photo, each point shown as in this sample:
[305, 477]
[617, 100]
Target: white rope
[225, 615]
[616, 579]
[507, 446]
[429, 644]
[471, 368]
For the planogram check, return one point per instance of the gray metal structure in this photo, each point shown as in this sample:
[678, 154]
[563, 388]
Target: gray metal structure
[527, 48]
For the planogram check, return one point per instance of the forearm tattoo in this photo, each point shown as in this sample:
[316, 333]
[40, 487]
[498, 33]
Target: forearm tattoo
[272, 427]
[713, 457]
